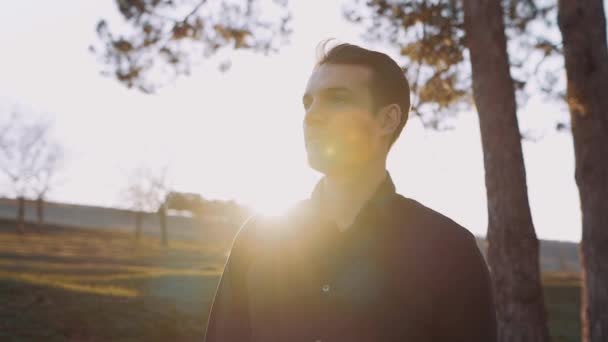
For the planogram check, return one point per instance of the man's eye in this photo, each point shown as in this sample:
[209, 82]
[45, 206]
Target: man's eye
[339, 99]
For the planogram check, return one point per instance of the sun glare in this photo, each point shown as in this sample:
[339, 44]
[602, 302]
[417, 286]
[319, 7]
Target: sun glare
[271, 206]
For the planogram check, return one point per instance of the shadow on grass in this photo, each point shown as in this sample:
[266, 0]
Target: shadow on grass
[39, 313]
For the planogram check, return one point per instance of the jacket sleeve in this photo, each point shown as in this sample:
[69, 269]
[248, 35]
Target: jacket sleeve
[229, 317]
[465, 309]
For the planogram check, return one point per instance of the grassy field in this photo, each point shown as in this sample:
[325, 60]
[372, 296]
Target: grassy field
[562, 298]
[81, 285]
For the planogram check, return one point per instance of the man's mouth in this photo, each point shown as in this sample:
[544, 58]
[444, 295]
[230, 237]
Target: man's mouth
[314, 141]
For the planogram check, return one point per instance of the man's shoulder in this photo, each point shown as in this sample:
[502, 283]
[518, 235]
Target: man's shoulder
[430, 225]
[443, 246]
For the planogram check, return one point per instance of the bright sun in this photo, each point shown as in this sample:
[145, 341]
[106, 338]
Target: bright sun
[273, 191]
[272, 200]
[270, 207]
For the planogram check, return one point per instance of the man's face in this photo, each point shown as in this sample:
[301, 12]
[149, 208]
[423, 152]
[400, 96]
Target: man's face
[341, 132]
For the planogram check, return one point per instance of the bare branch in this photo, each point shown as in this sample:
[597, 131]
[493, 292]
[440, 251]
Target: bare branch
[147, 188]
[29, 158]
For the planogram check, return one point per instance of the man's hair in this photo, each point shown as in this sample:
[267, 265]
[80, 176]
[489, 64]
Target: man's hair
[388, 84]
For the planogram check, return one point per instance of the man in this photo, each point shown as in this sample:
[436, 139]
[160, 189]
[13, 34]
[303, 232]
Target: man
[357, 261]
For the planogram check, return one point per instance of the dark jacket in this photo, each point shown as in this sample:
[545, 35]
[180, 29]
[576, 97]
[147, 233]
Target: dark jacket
[401, 272]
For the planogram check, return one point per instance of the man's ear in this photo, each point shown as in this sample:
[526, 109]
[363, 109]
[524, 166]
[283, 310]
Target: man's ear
[390, 118]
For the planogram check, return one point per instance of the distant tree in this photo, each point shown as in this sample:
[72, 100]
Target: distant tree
[185, 201]
[29, 159]
[137, 197]
[583, 27]
[162, 39]
[147, 191]
[200, 207]
[45, 177]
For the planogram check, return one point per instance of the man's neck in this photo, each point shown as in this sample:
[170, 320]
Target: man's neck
[344, 196]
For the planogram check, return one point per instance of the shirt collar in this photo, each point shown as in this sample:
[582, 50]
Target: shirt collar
[379, 200]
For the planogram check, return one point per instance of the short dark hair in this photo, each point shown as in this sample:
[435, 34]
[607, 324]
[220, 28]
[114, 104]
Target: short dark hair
[388, 84]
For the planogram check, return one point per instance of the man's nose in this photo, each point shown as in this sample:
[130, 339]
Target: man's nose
[314, 115]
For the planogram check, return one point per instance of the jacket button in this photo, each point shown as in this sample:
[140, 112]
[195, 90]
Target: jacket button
[325, 289]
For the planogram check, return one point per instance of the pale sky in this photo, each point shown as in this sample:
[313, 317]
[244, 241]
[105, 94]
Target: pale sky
[238, 135]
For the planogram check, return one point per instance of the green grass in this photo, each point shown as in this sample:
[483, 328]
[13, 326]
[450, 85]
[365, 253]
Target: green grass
[562, 298]
[83, 285]
[78, 285]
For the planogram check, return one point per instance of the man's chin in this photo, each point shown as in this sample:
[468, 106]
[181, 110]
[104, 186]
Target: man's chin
[320, 164]
[326, 166]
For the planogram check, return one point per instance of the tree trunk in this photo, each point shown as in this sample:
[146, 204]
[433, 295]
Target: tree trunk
[20, 215]
[583, 27]
[138, 221]
[162, 212]
[40, 210]
[513, 246]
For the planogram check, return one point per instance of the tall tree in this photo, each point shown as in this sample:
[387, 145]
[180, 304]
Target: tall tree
[513, 246]
[583, 27]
